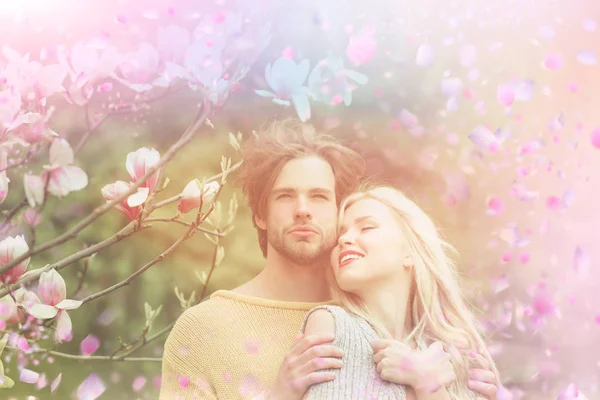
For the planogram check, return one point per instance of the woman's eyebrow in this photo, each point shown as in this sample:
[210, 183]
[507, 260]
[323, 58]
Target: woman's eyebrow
[357, 220]
[363, 218]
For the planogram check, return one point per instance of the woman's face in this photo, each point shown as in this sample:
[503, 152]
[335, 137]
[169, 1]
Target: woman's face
[371, 248]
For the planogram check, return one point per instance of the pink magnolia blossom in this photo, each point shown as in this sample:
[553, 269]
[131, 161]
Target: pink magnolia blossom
[193, 192]
[34, 80]
[10, 313]
[139, 162]
[130, 206]
[11, 248]
[87, 63]
[51, 288]
[52, 291]
[64, 176]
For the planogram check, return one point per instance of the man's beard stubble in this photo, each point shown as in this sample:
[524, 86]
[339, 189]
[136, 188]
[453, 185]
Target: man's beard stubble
[302, 251]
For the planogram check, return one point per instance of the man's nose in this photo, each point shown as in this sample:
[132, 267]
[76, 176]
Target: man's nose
[302, 209]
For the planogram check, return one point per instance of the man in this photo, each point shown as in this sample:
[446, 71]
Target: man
[244, 343]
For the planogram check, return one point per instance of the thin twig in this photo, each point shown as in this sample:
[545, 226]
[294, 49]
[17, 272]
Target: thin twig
[82, 274]
[184, 223]
[85, 358]
[12, 213]
[212, 267]
[140, 271]
[90, 129]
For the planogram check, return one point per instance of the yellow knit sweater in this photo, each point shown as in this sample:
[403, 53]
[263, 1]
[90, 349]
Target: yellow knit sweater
[229, 346]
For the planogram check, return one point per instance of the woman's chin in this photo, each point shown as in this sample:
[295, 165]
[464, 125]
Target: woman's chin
[350, 282]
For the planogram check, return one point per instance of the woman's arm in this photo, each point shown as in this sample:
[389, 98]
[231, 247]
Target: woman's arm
[319, 322]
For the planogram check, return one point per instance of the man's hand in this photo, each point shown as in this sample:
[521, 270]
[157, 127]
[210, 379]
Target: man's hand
[301, 367]
[481, 378]
[429, 369]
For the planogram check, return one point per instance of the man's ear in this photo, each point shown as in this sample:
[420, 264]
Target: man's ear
[261, 223]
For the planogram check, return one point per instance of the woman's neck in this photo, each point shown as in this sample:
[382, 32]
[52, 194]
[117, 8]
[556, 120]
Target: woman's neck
[388, 305]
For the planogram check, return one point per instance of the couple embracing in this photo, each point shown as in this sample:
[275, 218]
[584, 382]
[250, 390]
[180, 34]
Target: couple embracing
[358, 299]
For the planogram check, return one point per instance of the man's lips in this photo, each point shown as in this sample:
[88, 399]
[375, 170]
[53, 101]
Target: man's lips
[303, 231]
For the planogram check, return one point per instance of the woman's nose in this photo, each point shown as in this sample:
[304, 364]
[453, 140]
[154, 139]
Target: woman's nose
[345, 239]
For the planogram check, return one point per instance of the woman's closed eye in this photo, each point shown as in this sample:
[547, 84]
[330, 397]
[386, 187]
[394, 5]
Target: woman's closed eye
[366, 228]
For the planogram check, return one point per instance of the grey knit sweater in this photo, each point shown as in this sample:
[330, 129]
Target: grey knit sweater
[358, 378]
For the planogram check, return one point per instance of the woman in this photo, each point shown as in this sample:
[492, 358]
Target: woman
[400, 301]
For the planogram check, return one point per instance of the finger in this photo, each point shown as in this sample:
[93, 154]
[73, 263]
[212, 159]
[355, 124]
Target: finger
[297, 339]
[379, 344]
[482, 388]
[319, 351]
[382, 355]
[378, 357]
[309, 341]
[320, 363]
[316, 377]
[379, 368]
[482, 375]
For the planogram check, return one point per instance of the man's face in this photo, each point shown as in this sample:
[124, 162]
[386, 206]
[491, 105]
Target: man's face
[301, 211]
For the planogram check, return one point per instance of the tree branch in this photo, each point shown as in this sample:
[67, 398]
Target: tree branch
[128, 230]
[72, 233]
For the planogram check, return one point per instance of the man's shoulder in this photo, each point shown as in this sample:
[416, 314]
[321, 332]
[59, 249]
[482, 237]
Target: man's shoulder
[202, 322]
[208, 311]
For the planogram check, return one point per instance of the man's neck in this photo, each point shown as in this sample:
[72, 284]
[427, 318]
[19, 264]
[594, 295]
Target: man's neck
[288, 282]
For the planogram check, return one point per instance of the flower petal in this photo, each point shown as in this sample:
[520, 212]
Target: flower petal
[64, 327]
[77, 177]
[302, 106]
[61, 153]
[68, 304]
[139, 197]
[42, 311]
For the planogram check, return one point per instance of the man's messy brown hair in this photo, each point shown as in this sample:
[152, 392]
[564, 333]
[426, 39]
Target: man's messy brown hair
[265, 153]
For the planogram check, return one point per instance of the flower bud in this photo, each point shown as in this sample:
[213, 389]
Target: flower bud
[51, 288]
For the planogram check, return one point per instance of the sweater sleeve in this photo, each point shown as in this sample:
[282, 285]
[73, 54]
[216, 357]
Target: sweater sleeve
[184, 375]
[337, 388]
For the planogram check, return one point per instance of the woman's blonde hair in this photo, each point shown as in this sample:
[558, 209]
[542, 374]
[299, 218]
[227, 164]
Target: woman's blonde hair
[437, 308]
